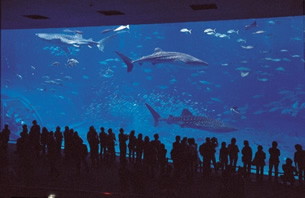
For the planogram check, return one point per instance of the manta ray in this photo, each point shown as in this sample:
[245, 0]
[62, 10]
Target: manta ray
[160, 57]
[188, 120]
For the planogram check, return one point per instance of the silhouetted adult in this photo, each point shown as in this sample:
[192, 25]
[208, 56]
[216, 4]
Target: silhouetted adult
[111, 144]
[206, 151]
[92, 138]
[132, 145]
[44, 139]
[162, 158]
[299, 160]
[176, 154]
[259, 162]
[247, 157]
[214, 145]
[289, 172]
[80, 153]
[233, 153]
[58, 140]
[139, 149]
[4, 138]
[156, 144]
[193, 155]
[23, 150]
[67, 142]
[223, 157]
[274, 160]
[34, 136]
[103, 143]
[52, 154]
[148, 156]
[123, 147]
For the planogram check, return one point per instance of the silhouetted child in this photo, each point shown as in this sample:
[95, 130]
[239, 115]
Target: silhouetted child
[259, 162]
[274, 160]
[247, 157]
[289, 172]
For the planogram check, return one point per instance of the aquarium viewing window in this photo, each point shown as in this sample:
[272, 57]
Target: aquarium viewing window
[223, 79]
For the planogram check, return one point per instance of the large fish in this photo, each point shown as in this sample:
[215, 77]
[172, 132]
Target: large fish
[160, 57]
[75, 40]
[188, 120]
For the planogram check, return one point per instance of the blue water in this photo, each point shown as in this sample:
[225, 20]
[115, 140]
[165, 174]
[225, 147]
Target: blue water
[98, 90]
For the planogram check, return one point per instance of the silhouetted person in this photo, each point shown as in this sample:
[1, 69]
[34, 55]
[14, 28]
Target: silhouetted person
[162, 158]
[289, 172]
[23, 150]
[111, 144]
[148, 156]
[299, 160]
[4, 138]
[67, 142]
[34, 136]
[193, 155]
[259, 162]
[58, 140]
[123, 147]
[223, 157]
[92, 138]
[176, 154]
[247, 157]
[103, 143]
[132, 145]
[139, 149]
[156, 144]
[214, 145]
[52, 154]
[80, 153]
[233, 153]
[206, 151]
[44, 139]
[274, 160]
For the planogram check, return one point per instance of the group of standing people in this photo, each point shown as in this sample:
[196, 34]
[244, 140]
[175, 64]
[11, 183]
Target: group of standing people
[150, 154]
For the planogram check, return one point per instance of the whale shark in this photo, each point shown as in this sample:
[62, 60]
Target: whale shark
[159, 57]
[188, 120]
[75, 40]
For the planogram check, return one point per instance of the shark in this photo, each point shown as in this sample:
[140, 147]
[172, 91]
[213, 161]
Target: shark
[75, 40]
[160, 57]
[188, 120]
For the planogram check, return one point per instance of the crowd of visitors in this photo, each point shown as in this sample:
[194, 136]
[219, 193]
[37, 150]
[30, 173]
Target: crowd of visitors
[150, 155]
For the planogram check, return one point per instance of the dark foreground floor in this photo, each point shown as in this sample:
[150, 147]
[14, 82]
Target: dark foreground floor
[104, 181]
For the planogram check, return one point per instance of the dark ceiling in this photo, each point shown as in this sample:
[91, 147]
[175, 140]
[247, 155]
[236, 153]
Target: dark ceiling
[27, 14]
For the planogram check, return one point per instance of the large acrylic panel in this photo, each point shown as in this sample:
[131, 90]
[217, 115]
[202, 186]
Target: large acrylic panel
[254, 81]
